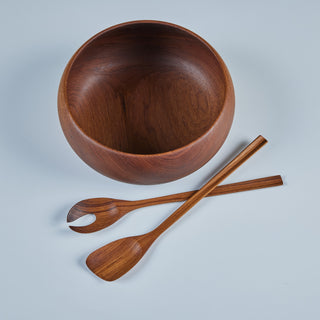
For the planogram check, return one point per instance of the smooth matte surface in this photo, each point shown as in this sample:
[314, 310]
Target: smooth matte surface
[259, 263]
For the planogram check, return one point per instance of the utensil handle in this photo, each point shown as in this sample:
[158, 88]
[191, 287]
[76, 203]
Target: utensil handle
[247, 185]
[211, 184]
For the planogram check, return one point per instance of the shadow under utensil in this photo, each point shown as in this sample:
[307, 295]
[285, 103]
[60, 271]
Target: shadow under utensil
[81, 262]
[60, 215]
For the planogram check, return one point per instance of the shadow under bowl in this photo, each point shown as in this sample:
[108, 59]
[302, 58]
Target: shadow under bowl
[146, 102]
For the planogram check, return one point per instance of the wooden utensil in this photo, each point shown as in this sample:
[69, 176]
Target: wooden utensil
[107, 210]
[146, 102]
[117, 258]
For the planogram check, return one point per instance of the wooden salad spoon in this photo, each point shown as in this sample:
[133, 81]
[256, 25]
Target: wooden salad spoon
[116, 258]
[107, 210]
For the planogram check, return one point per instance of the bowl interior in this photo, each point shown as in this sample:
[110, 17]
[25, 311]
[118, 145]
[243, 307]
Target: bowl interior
[145, 88]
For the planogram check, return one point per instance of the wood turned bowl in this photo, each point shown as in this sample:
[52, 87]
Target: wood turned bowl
[146, 102]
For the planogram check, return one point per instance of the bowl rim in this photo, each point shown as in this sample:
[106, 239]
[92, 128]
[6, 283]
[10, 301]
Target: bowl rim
[64, 80]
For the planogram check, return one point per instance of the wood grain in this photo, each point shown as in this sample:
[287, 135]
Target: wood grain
[107, 210]
[117, 258]
[146, 102]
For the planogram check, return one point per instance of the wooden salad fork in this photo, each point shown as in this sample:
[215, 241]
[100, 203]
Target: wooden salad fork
[107, 210]
[116, 258]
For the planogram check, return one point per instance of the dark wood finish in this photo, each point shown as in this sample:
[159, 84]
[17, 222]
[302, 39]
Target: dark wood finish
[146, 102]
[107, 210]
[117, 258]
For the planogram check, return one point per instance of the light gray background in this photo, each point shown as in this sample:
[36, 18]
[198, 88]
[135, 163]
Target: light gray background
[247, 256]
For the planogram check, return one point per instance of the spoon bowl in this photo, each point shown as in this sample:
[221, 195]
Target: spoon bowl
[116, 258]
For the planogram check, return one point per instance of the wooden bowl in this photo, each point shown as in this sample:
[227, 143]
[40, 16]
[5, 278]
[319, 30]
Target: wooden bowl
[146, 102]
